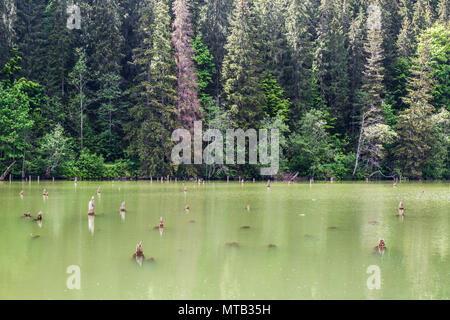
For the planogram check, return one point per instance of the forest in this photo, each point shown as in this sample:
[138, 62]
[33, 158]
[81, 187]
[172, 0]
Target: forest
[357, 89]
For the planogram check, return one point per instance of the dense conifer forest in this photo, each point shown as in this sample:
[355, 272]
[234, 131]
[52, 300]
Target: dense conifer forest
[357, 88]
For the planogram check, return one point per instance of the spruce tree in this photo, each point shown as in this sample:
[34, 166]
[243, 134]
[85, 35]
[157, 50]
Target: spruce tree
[373, 131]
[206, 71]
[102, 35]
[110, 116]
[29, 30]
[214, 24]
[188, 104]
[300, 30]
[59, 50]
[274, 45]
[333, 64]
[422, 17]
[405, 39]
[415, 125]
[357, 35]
[443, 8]
[7, 29]
[154, 115]
[242, 74]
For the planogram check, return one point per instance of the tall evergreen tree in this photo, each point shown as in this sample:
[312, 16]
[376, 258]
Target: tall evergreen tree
[206, 71]
[102, 35]
[154, 116]
[443, 9]
[111, 115]
[7, 29]
[405, 41]
[274, 45]
[214, 29]
[332, 63]
[31, 38]
[415, 125]
[373, 131]
[357, 35]
[59, 49]
[242, 74]
[188, 104]
[422, 17]
[299, 26]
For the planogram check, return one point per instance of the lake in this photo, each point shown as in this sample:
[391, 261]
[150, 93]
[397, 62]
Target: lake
[299, 241]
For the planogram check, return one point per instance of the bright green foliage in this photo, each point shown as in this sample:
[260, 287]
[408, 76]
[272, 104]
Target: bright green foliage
[276, 104]
[206, 71]
[439, 166]
[310, 148]
[15, 119]
[11, 68]
[439, 37]
[88, 166]
[55, 151]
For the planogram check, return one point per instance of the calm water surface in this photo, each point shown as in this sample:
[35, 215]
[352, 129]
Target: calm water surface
[310, 261]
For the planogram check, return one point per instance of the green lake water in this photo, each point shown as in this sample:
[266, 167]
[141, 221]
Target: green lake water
[192, 261]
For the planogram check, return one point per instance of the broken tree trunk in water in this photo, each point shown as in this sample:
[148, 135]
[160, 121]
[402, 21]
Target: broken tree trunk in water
[7, 171]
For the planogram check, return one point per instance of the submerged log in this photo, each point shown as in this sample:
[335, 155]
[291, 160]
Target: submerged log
[3, 176]
[232, 244]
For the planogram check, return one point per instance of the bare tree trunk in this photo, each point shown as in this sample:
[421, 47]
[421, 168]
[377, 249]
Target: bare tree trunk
[358, 151]
[23, 165]
[47, 172]
[81, 111]
[7, 171]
